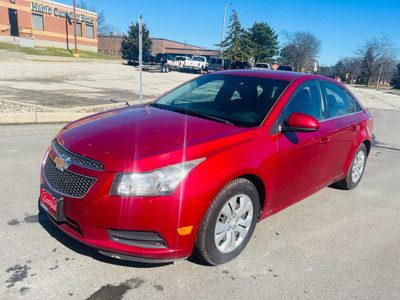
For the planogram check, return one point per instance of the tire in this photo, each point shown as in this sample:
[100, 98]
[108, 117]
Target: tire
[225, 232]
[356, 169]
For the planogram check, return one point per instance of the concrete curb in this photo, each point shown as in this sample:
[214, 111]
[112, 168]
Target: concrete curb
[71, 59]
[64, 116]
[40, 118]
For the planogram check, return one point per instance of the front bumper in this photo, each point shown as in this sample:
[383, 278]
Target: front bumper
[94, 218]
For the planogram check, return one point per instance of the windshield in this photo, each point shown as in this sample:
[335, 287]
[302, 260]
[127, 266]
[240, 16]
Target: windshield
[239, 100]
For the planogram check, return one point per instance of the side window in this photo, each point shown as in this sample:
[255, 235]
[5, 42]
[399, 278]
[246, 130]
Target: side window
[336, 100]
[358, 107]
[353, 104]
[307, 100]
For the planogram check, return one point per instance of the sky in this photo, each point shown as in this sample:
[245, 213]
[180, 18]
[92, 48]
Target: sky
[341, 25]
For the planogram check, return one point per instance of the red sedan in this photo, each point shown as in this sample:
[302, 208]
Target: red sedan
[199, 167]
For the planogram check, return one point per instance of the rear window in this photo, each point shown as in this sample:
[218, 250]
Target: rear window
[180, 58]
[243, 101]
[195, 58]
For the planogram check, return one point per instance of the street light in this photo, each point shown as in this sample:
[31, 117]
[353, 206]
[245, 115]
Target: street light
[223, 28]
[76, 54]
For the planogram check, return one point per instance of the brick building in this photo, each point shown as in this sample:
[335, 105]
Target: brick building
[176, 48]
[46, 23]
[111, 45]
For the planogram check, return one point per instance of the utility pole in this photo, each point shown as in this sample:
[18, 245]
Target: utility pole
[383, 60]
[76, 54]
[140, 59]
[223, 29]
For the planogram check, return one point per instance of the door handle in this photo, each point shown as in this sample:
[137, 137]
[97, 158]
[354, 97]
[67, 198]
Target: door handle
[354, 128]
[325, 140]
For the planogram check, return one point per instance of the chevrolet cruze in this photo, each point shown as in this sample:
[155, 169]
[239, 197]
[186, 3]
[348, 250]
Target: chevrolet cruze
[194, 171]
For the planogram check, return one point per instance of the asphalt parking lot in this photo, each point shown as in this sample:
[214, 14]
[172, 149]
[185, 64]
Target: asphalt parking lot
[57, 86]
[333, 245]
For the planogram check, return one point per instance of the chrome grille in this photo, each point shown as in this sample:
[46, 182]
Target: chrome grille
[77, 159]
[66, 182]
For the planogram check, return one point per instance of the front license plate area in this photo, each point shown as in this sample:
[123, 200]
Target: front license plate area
[52, 204]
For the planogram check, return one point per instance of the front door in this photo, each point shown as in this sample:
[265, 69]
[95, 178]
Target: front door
[12, 14]
[300, 156]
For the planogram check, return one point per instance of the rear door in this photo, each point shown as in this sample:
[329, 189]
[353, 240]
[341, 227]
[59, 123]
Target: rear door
[343, 123]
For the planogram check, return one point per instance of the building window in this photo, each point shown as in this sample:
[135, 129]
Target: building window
[105, 52]
[37, 21]
[119, 53]
[99, 51]
[89, 31]
[113, 52]
[78, 29]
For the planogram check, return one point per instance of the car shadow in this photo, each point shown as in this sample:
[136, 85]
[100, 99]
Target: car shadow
[83, 249]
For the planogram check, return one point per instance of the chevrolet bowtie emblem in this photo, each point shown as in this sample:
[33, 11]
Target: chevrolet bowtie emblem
[62, 162]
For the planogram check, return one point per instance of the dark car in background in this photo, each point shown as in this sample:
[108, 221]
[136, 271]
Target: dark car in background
[219, 64]
[286, 68]
[241, 65]
[164, 56]
[133, 58]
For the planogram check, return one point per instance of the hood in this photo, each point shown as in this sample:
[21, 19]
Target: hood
[143, 138]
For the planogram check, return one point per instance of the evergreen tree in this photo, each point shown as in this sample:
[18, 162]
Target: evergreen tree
[264, 42]
[369, 66]
[395, 82]
[236, 43]
[130, 42]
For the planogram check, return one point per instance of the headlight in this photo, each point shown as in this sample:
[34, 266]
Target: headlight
[155, 183]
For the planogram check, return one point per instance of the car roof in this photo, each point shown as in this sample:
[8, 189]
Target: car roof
[271, 74]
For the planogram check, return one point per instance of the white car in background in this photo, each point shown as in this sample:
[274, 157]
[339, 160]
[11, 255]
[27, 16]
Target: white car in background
[196, 64]
[262, 66]
[179, 62]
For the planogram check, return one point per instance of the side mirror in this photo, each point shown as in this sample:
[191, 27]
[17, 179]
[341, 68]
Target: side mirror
[299, 122]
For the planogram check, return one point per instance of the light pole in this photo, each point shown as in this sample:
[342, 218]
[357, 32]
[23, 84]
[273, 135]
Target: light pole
[140, 60]
[76, 54]
[223, 28]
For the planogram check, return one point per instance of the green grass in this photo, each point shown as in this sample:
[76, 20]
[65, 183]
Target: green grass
[50, 51]
[381, 88]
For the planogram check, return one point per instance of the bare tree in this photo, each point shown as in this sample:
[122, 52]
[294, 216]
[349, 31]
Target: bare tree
[103, 28]
[301, 50]
[378, 59]
[348, 65]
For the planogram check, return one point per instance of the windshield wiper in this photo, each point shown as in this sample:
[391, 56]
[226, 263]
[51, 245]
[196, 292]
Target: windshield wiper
[155, 104]
[191, 113]
[202, 115]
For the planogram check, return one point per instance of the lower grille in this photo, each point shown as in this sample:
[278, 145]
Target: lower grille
[67, 182]
[143, 239]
